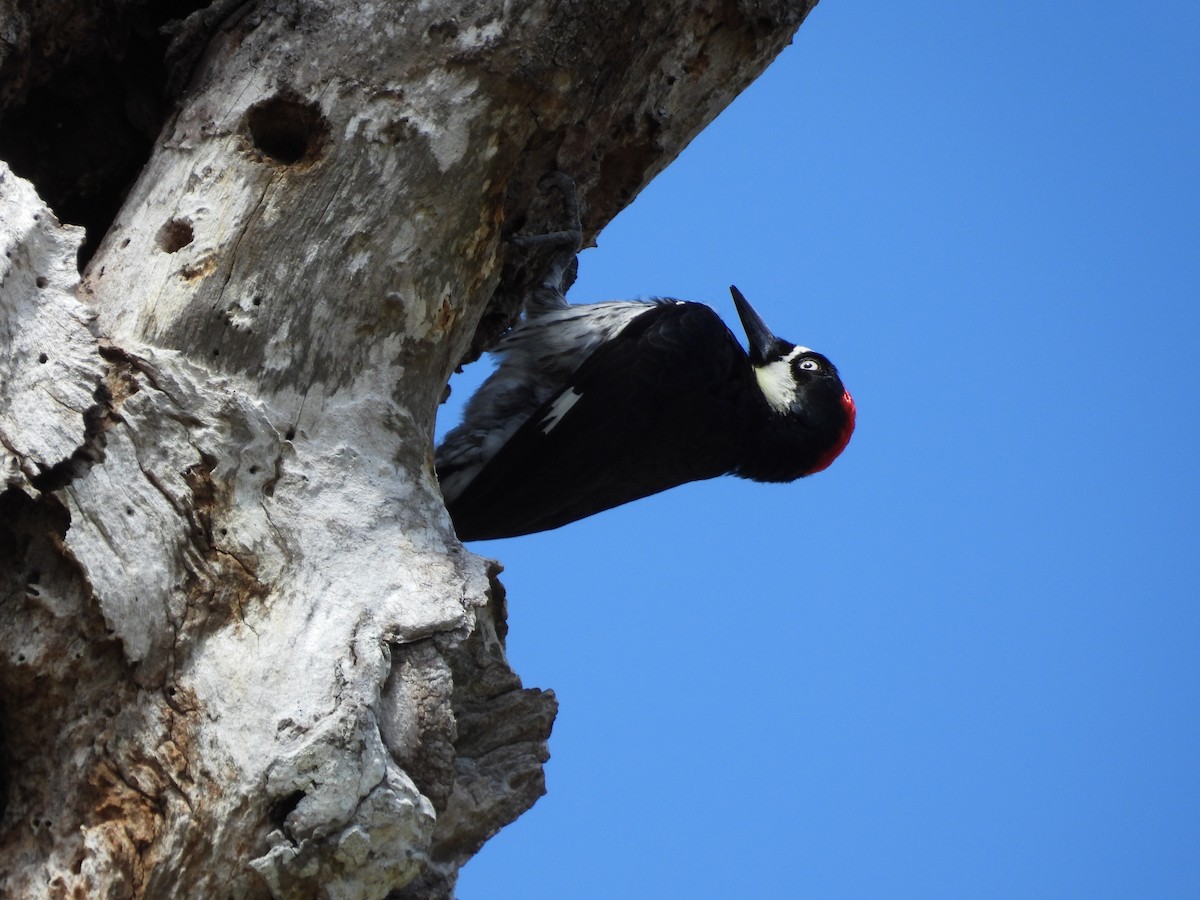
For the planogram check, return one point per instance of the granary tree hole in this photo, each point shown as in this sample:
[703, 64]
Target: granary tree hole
[174, 235]
[287, 129]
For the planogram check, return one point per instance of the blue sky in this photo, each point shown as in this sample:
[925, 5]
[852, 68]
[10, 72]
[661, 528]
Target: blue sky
[964, 662]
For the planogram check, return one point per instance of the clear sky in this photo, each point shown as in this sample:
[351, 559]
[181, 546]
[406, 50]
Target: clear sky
[964, 662]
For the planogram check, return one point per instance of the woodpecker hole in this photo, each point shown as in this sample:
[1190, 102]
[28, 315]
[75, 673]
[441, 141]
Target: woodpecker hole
[282, 808]
[287, 129]
[43, 358]
[175, 235]
[42, 281]
[446, 30]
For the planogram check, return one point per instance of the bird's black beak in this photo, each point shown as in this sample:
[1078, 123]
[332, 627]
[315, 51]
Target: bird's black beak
[762, 340]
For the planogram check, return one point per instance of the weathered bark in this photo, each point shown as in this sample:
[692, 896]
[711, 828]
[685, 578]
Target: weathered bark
[243, 653]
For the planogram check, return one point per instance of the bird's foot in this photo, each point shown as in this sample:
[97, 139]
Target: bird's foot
[561, 246]
[571, 235]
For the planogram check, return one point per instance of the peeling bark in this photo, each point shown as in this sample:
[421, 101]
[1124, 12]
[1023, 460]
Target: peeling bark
[243, 653]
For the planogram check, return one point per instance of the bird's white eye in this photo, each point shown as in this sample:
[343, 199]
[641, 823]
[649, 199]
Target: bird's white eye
[810, 365]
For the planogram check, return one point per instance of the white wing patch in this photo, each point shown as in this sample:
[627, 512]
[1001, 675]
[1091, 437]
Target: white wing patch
[559, 408]
[536, 360]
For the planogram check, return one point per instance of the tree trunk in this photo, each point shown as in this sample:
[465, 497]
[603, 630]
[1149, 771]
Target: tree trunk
[243, 653]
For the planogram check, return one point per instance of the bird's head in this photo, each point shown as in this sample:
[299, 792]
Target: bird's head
[799, 384]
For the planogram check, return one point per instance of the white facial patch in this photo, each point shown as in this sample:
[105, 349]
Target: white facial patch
[777, 382]
[559, 408]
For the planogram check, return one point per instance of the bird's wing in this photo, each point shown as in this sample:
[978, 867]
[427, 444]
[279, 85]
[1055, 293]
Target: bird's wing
[656, 406]
[536, 360]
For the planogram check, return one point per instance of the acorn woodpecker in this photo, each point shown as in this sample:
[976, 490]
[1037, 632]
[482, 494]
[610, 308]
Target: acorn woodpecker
[596, 405]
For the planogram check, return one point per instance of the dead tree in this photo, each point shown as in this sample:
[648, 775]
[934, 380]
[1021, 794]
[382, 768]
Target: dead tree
[243, 654]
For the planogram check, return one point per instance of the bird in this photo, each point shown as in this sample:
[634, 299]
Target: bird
[596, 405]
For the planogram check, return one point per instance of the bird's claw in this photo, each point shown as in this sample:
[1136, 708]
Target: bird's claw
[562, 245]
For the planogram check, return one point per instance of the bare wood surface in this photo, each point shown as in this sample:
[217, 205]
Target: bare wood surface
[244, 654]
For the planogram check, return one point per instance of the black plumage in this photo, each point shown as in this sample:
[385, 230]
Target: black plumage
[595, 406]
